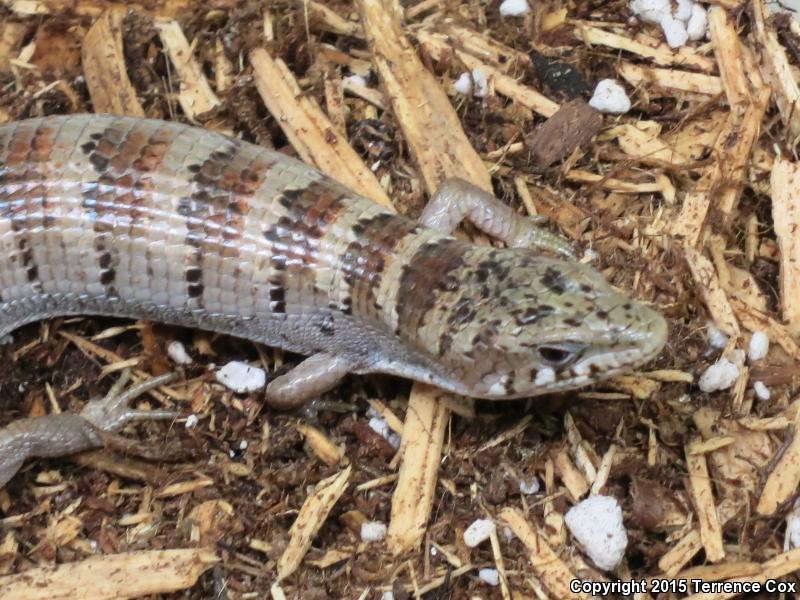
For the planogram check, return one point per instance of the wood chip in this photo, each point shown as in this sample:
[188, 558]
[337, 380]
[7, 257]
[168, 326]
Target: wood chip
[322, 447]
[195, 96]
[104, 67]
[310, 132]
[111, 577]
[728, 51]
[703, 496]
[439, 48]
[423, 436]
[658, 51]
[775, 568]
[775, 67]
[785, 188]
[553, 572]
[572, 478]
[431, 127]
[572, 126]
[670, 80]
[312, 516]
[714, 297]
[782, 482]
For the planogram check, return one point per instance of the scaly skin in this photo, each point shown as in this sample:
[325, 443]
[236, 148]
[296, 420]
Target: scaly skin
[148, 219]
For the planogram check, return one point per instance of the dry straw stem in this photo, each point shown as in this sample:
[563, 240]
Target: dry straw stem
[310, 132]
[104, 67]
[111, 577]
[703, 496]
[195, 96]
[785, 188]
[553, 572]
[646, 47]
[312, 516]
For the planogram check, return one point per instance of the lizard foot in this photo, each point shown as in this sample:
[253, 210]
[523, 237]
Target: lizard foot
[67, 433]
[457, 199]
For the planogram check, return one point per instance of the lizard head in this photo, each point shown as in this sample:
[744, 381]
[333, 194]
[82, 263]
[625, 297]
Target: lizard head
[519, 325]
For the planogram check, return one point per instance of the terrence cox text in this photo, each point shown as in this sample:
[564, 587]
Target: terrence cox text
[679, 586]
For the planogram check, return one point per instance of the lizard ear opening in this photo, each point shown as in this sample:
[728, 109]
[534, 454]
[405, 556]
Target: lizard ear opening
[559, 355]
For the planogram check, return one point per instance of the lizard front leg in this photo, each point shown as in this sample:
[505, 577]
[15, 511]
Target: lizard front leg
[67, 433]
[314, 376]
[457, 199]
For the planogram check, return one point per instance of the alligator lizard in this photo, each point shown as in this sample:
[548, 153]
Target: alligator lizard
[148, 219]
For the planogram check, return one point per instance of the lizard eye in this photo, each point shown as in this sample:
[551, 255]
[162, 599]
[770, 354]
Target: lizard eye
[559, 355]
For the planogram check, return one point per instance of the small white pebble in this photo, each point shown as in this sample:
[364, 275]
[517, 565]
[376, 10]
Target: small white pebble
[191, 421]
[610, 97]
[178, 354]
[387, 596]
[684, 10]
[719, 376]
[241, 377]
[373, 531]
[489, 576]
[243, 445]
[478, 532]
[761, 390]
[465, 81]
[759, 346]
[597, 525]
[356, 80]
[674, 31]
[791, 538]
[463, 85]
[481, 84]
[514, 8]
[529, 487]
[545, 376]
[379, 426]
[716, 337]
[590, 255]
[651, 10]
[697, 26]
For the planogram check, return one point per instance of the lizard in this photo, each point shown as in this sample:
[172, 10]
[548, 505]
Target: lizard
[148, 219]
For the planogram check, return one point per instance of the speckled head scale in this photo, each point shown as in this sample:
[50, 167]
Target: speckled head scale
[519, 324]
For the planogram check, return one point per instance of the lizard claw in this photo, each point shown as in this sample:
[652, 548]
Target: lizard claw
[111, 412]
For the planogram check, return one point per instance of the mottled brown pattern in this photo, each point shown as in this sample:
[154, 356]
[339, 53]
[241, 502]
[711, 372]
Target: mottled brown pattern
[365, 259]
[295, 240]
[432, 270]
[27, 160]
[214, 212]
[111, 152]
